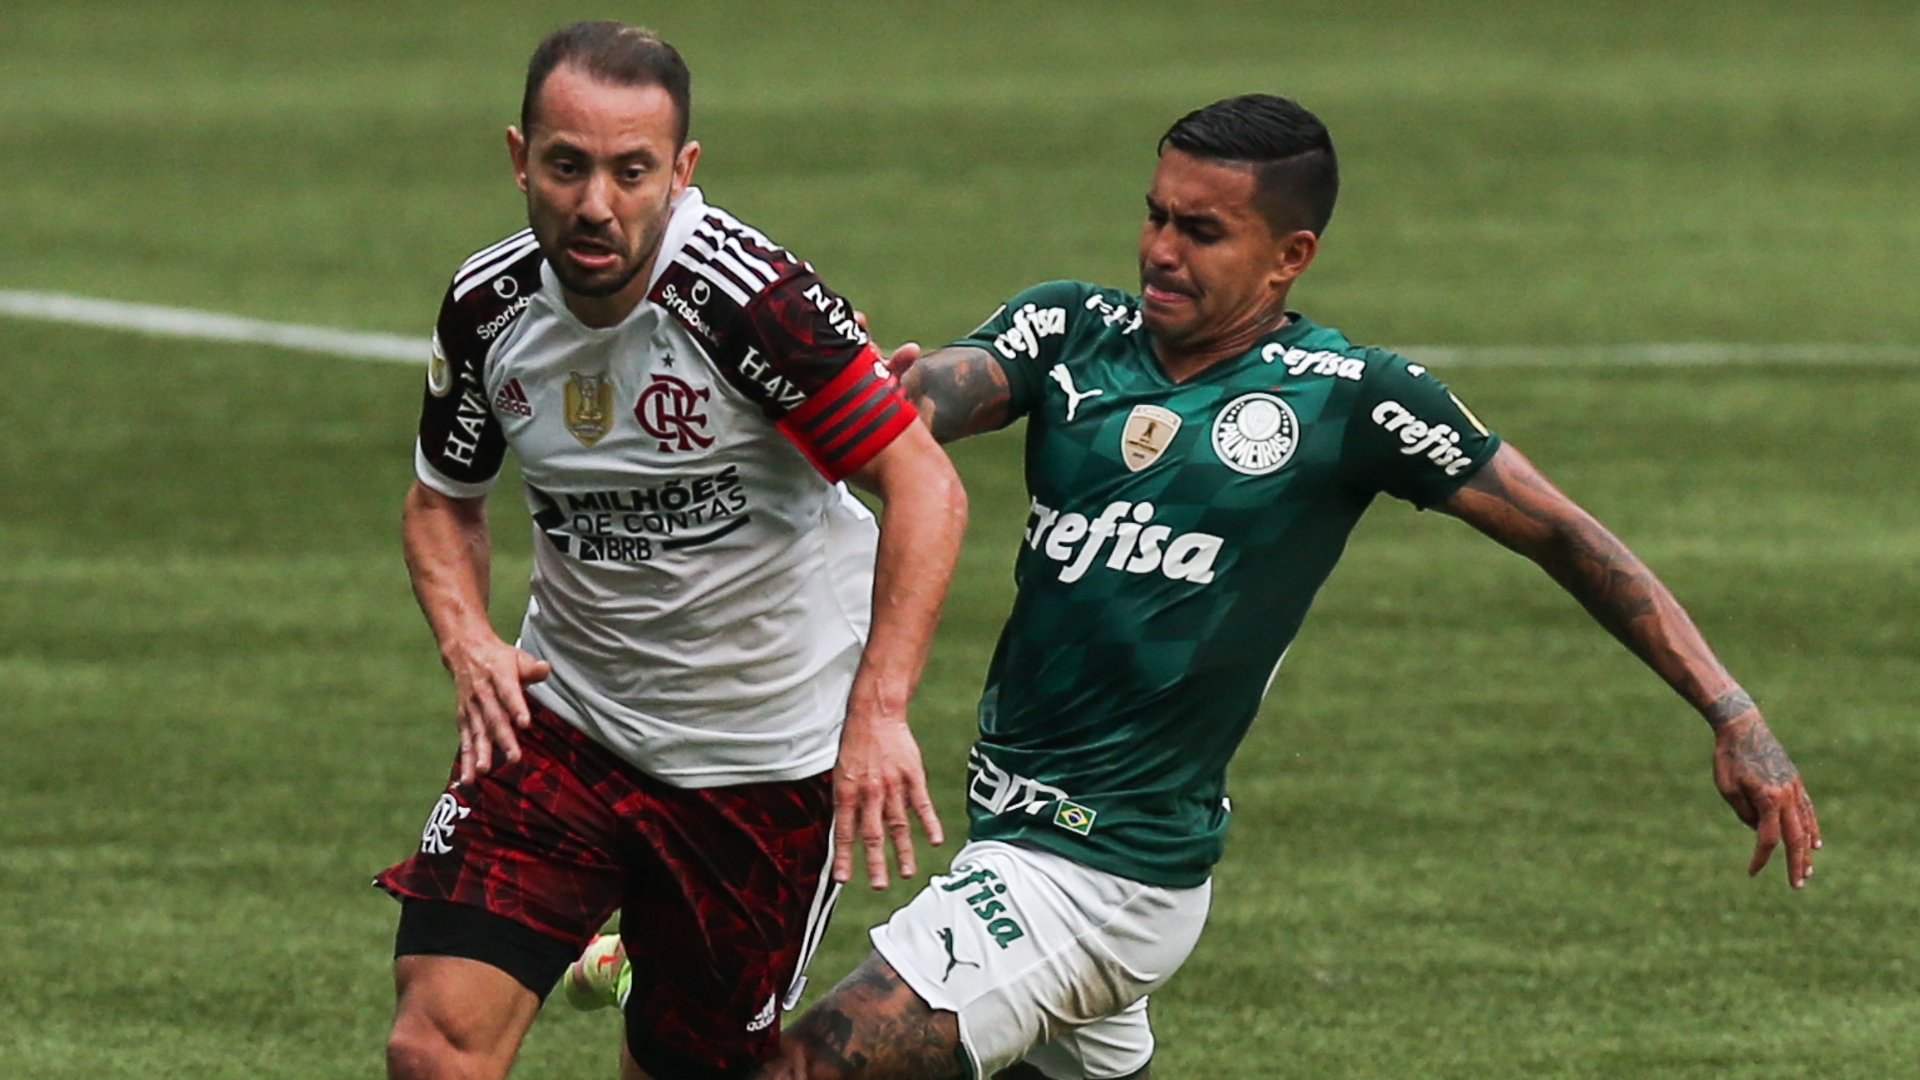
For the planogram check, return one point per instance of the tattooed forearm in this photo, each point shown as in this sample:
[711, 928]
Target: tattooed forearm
[1513, 503]
[959, 391]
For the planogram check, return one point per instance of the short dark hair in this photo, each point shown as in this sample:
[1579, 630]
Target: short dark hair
[1296, 175]
[613, 53]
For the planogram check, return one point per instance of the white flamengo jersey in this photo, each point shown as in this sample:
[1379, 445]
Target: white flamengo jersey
[702, 579]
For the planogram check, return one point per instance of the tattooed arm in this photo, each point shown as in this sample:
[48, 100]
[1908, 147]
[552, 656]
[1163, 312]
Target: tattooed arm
[1510, 501]
[959, 390]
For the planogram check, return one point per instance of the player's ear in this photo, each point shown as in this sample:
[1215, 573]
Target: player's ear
[683, 163]
[517, 150]
[1292, 254]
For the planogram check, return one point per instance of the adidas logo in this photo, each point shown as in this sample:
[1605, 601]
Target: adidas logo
[766, 1016]
[512, 399]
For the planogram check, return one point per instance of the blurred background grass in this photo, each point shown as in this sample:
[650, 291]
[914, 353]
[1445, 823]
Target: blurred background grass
[1473, 838]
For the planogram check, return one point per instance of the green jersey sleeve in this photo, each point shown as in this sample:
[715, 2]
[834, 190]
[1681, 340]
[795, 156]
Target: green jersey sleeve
[1410, 436]
[1028, 334]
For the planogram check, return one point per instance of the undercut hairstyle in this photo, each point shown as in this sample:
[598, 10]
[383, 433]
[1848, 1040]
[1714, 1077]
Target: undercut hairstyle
[1296, 175]
[612, 53]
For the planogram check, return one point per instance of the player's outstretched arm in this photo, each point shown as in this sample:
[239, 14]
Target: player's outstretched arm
[879, 777]
[958, 390]
[449, 559]
[1512, 502]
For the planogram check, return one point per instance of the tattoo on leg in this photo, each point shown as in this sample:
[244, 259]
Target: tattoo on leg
[874, 1026]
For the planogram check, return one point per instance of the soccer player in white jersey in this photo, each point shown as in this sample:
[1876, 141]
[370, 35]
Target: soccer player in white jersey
[697, 725]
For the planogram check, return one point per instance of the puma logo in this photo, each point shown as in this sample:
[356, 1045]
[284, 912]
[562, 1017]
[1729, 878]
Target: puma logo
[953, 961]
[1058, 373]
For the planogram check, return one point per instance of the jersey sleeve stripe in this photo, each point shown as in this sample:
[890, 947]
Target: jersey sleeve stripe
[724, 262]
[836, 414]
[480, 265]
[843, 425]
[733, 226]
[832, 429]
[446, 485]
[507, 258]
[840, 392]
[723, 282]
[847, 460]
[730, 245]
[882, 416]
[488, 252]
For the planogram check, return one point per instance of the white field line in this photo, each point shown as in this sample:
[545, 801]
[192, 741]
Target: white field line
[1690, 354]
[358, 344]
[211, 326]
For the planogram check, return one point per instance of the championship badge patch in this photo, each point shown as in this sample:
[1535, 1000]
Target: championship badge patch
[1150, 430]
[589, 407]
[439, 371]
[1256, 434]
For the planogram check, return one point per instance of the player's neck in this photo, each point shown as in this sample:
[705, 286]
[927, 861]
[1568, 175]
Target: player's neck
[600, 312]
[1184, 360]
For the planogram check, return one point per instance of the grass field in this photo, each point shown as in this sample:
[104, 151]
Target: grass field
[1473, 839]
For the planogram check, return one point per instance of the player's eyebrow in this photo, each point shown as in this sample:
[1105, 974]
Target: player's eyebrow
[1184, 222]
[639, 155]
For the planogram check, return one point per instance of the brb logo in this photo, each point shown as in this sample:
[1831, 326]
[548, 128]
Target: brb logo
[667, 410]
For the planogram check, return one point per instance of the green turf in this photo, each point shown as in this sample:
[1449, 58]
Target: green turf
[1473, 839]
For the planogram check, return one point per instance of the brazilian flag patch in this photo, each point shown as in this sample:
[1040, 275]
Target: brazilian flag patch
[1074, 818]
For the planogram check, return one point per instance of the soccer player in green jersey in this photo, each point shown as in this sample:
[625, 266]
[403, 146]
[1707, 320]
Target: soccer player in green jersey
[1196, 457]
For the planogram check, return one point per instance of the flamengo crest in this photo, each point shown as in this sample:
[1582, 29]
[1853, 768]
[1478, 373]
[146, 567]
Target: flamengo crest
[589, 406]
[667, 411]
[1256, 434]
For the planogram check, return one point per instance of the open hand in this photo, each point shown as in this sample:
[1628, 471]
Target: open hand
[877, 780]
[1759, 781]
[489, 686]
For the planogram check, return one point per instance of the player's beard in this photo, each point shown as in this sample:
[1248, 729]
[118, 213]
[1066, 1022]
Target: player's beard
[608, 282]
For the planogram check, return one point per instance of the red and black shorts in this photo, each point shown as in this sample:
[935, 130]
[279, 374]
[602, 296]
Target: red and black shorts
[723, 892]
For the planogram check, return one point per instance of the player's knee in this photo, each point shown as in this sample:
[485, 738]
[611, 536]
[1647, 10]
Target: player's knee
[418, 1050]
[803, 1056]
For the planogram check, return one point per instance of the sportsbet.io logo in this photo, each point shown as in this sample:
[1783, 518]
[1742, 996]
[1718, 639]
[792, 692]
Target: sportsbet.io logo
[1256, 434]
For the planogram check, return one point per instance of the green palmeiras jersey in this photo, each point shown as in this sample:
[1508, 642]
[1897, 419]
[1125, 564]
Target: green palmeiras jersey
[1177, 535]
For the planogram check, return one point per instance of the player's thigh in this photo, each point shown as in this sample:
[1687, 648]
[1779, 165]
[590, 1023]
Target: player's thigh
[719, 923]
[456, 1017]
[536, 842]
[1026, 948]
[873, 1026]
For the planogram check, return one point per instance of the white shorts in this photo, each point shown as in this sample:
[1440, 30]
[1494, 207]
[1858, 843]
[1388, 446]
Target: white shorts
[1043, 959]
